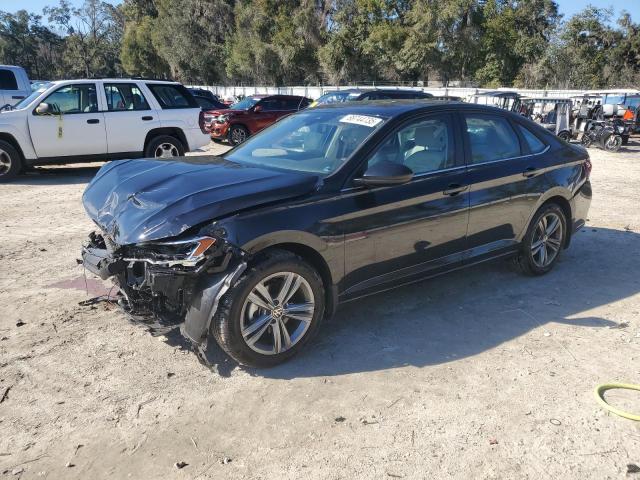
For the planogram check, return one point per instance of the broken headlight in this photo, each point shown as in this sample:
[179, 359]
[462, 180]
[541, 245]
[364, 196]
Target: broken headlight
[187, 252]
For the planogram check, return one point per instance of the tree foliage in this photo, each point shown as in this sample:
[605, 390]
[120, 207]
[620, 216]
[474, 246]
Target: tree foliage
[283, 42]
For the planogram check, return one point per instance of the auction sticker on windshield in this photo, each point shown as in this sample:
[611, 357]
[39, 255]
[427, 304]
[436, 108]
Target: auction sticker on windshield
[365, 120]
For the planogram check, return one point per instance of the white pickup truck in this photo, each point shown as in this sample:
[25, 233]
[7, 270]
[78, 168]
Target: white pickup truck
[14, 84]
[87, 120]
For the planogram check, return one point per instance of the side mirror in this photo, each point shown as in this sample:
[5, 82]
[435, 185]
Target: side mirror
[257, 109]
[43, 109]
[385, 173]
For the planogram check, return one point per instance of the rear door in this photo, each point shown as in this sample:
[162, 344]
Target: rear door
[403, 231]
[77, 127]
[270, 110]
[506, 180]
[128, 117]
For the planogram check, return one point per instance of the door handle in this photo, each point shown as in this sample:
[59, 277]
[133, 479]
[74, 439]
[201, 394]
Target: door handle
[146, 118]
[17, 97]
[530, 172]
[455, 189]
[93, 120]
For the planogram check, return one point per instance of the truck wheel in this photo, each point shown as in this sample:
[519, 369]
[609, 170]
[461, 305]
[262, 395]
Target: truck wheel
[164, 146]
[272, 312]
[10, 161]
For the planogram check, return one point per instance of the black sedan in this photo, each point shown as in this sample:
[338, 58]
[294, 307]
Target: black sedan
[257, 247]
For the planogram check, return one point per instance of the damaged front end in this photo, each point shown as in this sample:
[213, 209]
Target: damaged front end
[167, 283]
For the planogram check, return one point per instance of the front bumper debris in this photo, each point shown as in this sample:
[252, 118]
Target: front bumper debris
[155, 291]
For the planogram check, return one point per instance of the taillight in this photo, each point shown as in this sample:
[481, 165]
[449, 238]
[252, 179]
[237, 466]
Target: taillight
[587, 167]
[201, 122]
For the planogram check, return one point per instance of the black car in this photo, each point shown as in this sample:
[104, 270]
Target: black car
[256, 247]
[206, 103]
[202, 92]
[357, 94]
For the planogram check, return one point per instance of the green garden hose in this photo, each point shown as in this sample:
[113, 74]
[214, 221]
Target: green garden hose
[600, 389]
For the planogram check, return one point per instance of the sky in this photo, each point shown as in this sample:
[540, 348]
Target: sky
[567, 7]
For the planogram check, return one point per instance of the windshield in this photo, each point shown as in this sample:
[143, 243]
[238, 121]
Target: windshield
[315, 141]
[35, 94]
[245, 104]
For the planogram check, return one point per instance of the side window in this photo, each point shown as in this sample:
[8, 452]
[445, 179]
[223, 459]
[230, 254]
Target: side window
[172, 96]
[71, 99]
[124, 96]
[535, 144]
[491, 138]
[7, 80]
[271, 104]
[293, 103]
[424, 146]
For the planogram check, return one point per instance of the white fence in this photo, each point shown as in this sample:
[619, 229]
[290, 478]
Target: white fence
[315, 92]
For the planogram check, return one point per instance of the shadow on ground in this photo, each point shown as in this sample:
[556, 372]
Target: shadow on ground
[464, 313]
[57, 175]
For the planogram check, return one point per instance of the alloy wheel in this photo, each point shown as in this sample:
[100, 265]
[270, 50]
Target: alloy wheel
[238, 135]
[547, 240]
[277, 313]
[5, 162]
[166, 150]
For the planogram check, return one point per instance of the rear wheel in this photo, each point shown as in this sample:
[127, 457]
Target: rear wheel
[10, 161]
[586, 140]
[272, 312]
[164, 146]
[544, 240]
[564, 135]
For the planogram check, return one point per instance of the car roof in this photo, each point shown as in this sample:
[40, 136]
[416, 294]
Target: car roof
[393, 108]
[115, 80]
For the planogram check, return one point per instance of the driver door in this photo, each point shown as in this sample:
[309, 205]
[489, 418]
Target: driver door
[78, 128]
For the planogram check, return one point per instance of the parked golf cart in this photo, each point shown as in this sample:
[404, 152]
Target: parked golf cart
[554, 114]
[504, 100]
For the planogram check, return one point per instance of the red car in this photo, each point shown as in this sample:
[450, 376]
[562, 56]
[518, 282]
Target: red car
[251, 115]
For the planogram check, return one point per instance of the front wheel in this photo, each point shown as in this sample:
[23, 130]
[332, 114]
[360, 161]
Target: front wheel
[238, 134]
[164, 146]
[613, 143]
[544, 240]
[10, 164]
[272, 312]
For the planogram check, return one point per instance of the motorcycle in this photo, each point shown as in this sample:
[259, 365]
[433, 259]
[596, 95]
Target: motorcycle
[607, 134]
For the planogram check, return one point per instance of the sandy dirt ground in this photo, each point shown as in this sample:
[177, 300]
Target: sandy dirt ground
[479, 374]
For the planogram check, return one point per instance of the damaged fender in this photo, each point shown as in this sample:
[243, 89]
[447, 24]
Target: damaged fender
[205, 303]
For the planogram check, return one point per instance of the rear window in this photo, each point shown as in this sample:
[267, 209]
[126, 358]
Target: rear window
[8, 80]
[124, 96]
[535, 144]
[172, 96]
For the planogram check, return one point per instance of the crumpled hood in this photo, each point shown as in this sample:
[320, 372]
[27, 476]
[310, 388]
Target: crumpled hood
[151, 199]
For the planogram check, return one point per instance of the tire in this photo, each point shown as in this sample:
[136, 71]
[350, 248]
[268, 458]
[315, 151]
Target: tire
[164, 146]
[612, 143]
[586, 140]
[564, 135]
[237, 134]
[236, 311]
[531, 257]
[10, 162]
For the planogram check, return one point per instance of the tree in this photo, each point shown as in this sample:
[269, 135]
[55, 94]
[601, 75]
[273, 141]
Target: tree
[514, 33]
[25, 41]
[93, 36]
[139, 54]
[276, 42]
[192, 38]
